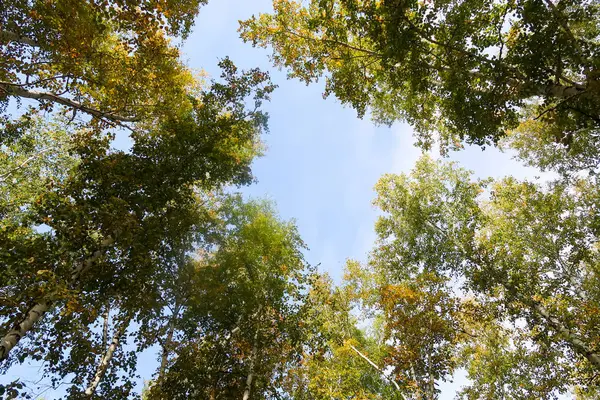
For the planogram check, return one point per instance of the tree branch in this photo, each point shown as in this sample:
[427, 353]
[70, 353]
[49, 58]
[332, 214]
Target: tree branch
[9, 36]
[18, 91]
[378, 369]
[573, 339]
[333, 41]
[35, 313]
[106, 359]
[561, 20]
[18, 167]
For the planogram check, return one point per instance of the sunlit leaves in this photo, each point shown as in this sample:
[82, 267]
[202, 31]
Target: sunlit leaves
[511, 259]
[457, 71]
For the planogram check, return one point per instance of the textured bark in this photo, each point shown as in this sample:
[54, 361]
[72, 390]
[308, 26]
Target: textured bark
[105, 361]
[18, 91]
[10, 340]
[573, 339]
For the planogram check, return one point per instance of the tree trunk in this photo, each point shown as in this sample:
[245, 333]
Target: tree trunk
[251, 368]
[377, 368]
[417, 381]
[10, 340]
[573, 339]
[562, 91]
[105, 361]
[431, 382]
[166, 345]
[105, 327]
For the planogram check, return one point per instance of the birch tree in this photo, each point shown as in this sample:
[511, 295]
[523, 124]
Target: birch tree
[115, 214]
[526, 253]
[242, 326]
[340, 360]
[112, 63]
[456, 71]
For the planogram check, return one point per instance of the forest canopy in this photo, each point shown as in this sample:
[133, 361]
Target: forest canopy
[109, 254]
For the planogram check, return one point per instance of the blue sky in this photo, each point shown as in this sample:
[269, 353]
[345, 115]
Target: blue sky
[321, 161]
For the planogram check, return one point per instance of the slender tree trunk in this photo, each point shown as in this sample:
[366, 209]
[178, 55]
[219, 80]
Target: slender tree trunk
[573, 339]
[431, 382]
[105, 327]
[417, 381]
[105, 361]
[251, 368]
[377, 368]
[166, 346]
[164, 359]
[11, 339]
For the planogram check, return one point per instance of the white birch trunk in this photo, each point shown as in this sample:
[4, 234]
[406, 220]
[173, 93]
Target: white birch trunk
[251, 369]
[166, 345]
[105, 327]
[11, 339]
[562, 91]
[377, 368]
[105, 361]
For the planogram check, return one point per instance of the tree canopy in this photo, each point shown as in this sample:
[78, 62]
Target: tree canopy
[455, 70]
[108, 254]
[111, 63]
[503, 273]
